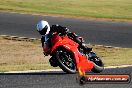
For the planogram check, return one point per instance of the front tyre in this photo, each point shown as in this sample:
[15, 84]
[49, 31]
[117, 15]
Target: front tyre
[65, 61]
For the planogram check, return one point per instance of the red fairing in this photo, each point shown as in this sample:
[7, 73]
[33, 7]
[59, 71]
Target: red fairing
[81, 61]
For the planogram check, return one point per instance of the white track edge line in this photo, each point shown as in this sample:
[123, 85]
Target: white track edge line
[57, 70]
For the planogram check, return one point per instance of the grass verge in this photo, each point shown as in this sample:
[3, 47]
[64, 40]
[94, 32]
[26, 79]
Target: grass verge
[113, 9]
[22, 55]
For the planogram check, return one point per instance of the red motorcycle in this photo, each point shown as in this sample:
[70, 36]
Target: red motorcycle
[69, 56]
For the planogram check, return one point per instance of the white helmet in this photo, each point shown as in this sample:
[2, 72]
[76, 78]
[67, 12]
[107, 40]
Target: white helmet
[43, 27]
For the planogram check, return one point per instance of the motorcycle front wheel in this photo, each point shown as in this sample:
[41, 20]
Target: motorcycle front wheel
[65, 61]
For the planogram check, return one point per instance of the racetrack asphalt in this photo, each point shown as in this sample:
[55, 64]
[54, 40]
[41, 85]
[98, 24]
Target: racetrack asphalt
[117, 34]
[58, 79]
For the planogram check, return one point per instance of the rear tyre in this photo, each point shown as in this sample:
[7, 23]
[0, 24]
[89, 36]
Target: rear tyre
[98, 64]
[98, 68]
[65, 61]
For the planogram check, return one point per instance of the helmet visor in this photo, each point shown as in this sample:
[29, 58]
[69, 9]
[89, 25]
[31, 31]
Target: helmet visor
[44, 30]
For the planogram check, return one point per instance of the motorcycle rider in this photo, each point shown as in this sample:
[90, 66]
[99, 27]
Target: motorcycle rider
[44, 28]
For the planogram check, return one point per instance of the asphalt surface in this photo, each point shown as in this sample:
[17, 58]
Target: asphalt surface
[117, 34]
[58, 80]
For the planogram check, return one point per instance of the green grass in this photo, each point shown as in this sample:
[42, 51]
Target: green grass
[22, 55]
[24, 67]
[113, 9]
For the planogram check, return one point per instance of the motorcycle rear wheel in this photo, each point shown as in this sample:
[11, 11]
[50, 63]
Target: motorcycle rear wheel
[98, 68]
[98, 64]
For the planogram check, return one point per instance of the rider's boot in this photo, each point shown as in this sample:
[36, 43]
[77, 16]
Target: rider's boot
[86, 49]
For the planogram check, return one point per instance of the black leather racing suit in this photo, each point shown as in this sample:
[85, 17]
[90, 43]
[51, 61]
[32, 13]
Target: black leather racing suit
[64, 31]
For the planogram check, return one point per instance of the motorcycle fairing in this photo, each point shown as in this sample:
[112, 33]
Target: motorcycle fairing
[81, 61]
